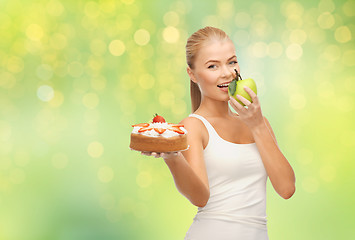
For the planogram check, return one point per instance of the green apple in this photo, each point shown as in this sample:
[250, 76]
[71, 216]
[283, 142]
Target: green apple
[236, 87]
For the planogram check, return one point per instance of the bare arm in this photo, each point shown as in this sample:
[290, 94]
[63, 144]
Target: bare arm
[276, 165]
[278, 168]
[188, 167]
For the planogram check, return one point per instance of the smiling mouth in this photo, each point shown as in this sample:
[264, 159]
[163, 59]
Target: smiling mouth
[224, 85]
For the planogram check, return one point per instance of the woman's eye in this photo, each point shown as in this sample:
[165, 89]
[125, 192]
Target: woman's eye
[212, 66]
[233, 62]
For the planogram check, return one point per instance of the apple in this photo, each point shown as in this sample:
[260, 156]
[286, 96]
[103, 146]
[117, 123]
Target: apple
[236, 87]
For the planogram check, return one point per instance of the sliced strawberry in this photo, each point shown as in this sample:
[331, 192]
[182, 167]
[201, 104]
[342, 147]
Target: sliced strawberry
[176, 125]
[160, 130]
[141, 125]
[143, 129]
[158, 118]
[176, 129]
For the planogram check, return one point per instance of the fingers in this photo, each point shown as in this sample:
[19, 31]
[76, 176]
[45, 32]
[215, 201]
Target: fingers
[235, 104]
[151, 154]
[251, 94]
[158, 155]
[244, 100]
[155, 154]
[146, 153]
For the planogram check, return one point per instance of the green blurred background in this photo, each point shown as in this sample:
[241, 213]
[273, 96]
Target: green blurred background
[74, 76]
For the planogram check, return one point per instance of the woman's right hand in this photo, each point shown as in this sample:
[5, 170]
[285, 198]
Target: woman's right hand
[164, 155]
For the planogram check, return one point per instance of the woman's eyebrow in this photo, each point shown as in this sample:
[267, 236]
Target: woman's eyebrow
[234, 56]
[211, 60]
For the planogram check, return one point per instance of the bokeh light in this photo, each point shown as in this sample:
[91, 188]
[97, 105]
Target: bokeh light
[294, 51]
[45, 93]
[171, 34]
[95, 149]
[75, 75]
[117, 48]
[141, 37]
[342, 34]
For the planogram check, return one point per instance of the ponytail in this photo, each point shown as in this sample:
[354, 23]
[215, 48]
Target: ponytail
[195, 96]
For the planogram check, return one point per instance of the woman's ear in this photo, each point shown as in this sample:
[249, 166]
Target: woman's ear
[191, 74]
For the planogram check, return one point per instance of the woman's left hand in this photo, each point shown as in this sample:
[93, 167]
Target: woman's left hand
[251, 114]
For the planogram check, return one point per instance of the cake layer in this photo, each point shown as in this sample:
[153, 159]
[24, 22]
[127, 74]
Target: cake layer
[152, 133]
[143, 143]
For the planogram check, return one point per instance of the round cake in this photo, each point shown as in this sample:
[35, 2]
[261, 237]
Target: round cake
[158, 136]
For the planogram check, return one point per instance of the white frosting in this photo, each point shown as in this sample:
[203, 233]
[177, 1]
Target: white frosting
[152, 133]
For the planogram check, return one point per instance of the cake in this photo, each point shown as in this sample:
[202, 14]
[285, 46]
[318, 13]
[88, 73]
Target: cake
[158, 136]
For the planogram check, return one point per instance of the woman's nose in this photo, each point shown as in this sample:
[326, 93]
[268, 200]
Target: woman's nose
[226, 72]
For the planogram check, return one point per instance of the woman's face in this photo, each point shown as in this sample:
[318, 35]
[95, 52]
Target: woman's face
[214, 69]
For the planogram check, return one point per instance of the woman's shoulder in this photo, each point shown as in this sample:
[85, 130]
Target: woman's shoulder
[192, 122]
[196, 129]
[197, 132]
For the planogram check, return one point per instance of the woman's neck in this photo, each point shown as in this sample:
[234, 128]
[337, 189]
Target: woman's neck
[212, 108]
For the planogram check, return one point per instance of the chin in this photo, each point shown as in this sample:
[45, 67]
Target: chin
[222, 97]
[225, 98]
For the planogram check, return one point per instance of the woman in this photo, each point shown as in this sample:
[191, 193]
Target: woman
[225, 169]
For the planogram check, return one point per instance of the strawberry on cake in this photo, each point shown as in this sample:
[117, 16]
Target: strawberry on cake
[158, 136]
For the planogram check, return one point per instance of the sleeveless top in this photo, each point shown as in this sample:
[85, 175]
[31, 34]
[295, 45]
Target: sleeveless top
[237, 180]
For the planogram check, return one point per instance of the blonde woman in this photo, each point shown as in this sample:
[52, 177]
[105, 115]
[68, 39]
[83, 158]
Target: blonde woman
[224, 172]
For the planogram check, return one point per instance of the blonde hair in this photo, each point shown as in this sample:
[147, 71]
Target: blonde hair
[193, 45]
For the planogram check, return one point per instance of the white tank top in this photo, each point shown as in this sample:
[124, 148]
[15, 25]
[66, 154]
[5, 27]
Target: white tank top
[237, 181]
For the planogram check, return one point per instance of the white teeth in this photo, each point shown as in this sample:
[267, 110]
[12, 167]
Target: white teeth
[223, 85]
